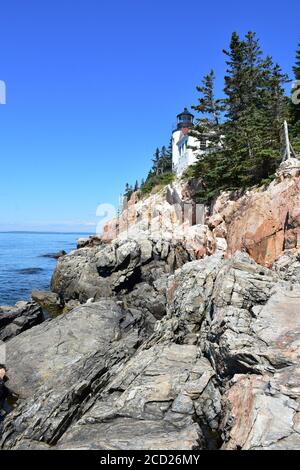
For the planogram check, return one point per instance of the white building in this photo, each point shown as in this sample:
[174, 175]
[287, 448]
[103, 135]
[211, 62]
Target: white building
[182, 153]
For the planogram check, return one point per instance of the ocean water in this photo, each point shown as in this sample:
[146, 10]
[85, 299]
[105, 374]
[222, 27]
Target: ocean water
[22, 264]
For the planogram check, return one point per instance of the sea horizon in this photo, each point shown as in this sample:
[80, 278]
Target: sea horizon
[27, 262]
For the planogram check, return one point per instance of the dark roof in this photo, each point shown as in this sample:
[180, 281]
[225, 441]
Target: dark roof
[185, 112]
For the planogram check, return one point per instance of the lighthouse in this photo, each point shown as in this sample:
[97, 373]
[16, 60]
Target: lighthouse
[185, 148]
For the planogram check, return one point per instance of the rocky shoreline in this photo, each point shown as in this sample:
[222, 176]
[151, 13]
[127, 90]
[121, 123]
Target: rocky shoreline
[166, 336]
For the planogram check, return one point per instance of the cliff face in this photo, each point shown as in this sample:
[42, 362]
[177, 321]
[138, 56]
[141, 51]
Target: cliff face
[263, 222]
[174, 336]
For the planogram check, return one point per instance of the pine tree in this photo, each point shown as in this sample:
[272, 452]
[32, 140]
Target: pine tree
[210, 108]
[208, 104]
[234, 85]
[170, 149]
[165, 160]
[276, 103]
[156, 162]
[296, 68]
[275, 110]
[128, 191]
[242, 110]
[150, 174]
[295, 104]
[136, 186]
[170, 155]
[255, 107]
[296, 87]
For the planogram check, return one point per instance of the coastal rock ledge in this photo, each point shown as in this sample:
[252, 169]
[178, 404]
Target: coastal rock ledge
[167, 335]
[216, 366]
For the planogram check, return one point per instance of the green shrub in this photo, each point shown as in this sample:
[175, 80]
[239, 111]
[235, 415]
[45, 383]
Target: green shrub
[156, 182]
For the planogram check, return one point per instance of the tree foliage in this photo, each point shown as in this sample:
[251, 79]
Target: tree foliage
[295, 103]
[253, 110]
[296, 68]
[160, 173]
[208, 126]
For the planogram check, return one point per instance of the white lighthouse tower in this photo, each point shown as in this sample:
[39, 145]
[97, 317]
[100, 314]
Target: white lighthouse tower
[183, 154]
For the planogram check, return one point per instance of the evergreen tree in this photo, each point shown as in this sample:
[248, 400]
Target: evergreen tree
[296, 68]
[243, 110]
[156, 162]
[234, 85]
[170, 155]
[295, 105]
[208, 104]
[165, 160]
[150, 175]
[242, 85]
[208, 126]
[276, 106]
[136, 186]
[170, 149]
[128, 191]
[255, 108]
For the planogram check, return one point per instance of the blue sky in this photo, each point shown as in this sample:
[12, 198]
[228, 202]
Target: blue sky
[93, 87]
